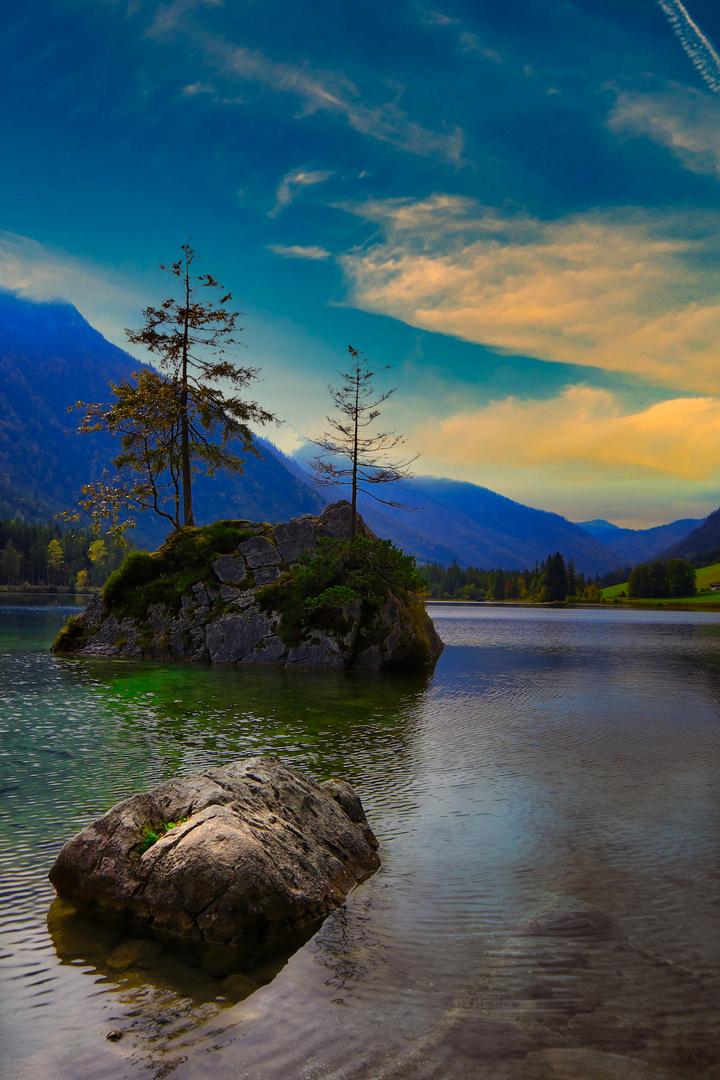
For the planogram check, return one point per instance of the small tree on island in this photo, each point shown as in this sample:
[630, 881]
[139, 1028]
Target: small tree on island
[172, 422]
[363, 456]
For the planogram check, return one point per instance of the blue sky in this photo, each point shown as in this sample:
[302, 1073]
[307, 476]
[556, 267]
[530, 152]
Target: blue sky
[516, 206]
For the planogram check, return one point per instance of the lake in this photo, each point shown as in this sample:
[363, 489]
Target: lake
[548, 807]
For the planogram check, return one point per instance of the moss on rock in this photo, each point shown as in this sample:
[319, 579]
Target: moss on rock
[246, 592]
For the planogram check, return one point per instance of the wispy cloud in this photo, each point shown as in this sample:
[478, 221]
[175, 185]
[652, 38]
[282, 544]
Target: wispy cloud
[173, 17]
[588, 428]
[107, 300]
[469, 43]
[685, 120]
[294, 182]
[333, 93]
[198, 88]
[696, 44]
[296, 251]
[627, 290]
[319, 90]
[438, 18]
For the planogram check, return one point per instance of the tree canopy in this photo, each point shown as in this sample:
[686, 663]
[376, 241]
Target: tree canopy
[185, 417]
[674, 578]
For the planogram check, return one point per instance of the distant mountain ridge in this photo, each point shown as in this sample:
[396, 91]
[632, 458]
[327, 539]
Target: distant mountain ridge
[454, 519]
[51, 357]
[701, 547]
[639, 545]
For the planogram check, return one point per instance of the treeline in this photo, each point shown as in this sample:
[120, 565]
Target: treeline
[673, 578]
[549, 581]
[45, 555]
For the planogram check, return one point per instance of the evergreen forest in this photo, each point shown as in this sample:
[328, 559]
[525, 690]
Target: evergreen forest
[550, 581]
[49, 557]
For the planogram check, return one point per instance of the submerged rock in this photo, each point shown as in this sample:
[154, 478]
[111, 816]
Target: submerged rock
[173, 605]
[256, 850]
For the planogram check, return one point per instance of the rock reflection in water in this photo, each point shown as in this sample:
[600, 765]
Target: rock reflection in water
[198, 971]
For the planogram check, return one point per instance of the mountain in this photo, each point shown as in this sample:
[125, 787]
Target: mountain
[482, 528]
[701, 547]
[454, 519]
[51, 357]
[639, 545]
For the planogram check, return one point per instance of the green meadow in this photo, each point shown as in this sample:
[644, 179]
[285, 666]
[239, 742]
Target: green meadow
[702, 598]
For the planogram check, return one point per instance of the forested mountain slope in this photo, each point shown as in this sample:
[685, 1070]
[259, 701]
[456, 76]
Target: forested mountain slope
[701, 547]
[639, 545]
[50, 357]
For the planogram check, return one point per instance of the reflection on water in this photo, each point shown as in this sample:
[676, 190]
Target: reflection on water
[196, 970]
[547, 807]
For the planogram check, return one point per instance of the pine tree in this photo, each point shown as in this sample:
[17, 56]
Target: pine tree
[173, 422]
[363, 456]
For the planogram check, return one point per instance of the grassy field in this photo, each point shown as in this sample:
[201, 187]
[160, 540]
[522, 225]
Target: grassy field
[703, 596]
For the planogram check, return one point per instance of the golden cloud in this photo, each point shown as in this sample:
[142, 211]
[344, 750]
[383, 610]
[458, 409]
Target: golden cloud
[629, 290]
[584, 426]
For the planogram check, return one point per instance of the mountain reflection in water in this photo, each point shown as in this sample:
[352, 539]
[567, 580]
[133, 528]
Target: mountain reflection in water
[547, 807]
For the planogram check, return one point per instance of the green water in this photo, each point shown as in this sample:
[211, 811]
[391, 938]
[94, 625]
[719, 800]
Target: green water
[547, 806]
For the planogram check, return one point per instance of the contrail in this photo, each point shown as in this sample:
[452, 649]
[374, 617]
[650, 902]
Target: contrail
[697, 46]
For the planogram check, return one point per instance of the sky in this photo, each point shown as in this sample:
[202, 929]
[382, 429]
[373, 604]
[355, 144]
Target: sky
[515, 206]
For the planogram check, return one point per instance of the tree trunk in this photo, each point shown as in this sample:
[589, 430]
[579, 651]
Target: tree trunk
[188, 516]
[353, 516]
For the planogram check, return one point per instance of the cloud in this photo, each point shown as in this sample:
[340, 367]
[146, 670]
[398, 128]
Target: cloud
[469, 43]
[438, 18]
[696, 44]
[101, 295]
[684, 120]
[587, 430]
[333, 93]
[174, 16]
[198, 88]
[633, 291]
[296, 251]
[293, 182]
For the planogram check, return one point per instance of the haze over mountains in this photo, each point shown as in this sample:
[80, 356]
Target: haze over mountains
[638, 545]
[51, 357]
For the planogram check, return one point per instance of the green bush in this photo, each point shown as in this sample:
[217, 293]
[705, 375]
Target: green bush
[71, 636]
[316, 588]
[185, 558]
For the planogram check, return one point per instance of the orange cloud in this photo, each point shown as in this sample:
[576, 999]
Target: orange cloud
[628, 291]
[586, 427]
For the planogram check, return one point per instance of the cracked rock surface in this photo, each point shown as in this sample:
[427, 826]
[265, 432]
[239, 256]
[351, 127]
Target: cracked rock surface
[264, 850]
[222, 621]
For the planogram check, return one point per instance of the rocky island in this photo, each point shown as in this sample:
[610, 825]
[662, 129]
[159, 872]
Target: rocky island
[296, 593]
[227, 856]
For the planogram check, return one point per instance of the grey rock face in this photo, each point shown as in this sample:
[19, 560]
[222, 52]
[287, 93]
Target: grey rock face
[335, 522]
[259, 551]
[223, 622]
[265, 574]
[231, 637]
[270, 650]
[295, 538]
[264, 850]
[230, 568]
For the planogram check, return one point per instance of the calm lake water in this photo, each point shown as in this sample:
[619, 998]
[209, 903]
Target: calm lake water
[548, 807]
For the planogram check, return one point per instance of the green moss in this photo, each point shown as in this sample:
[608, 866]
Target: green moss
[161, 578]
[150, 836]
[71, 637]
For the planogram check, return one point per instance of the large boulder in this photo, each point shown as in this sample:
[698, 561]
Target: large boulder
[255, 849]
[219, 610]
